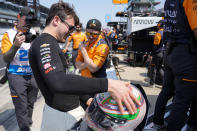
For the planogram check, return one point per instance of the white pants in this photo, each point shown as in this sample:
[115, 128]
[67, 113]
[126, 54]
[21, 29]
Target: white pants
[54, 120]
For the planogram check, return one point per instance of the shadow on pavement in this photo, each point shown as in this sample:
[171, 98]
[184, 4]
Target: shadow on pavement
[143, 74]
[142, 83]
[152, 100]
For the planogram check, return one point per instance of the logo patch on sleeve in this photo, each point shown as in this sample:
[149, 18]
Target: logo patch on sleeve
[46, 56]
[49, 70]
[47, 65]
[45, 49]
[44, 45]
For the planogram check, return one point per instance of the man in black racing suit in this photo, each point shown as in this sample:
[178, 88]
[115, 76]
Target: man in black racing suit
[60, 90]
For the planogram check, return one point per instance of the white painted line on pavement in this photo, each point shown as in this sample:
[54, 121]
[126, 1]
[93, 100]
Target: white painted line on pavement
[3, 68]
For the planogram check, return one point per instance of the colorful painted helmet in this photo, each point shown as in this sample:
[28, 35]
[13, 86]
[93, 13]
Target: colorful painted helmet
[103, 114]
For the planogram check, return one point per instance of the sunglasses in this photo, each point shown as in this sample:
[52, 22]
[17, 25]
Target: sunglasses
[70, 28]
[92, 34]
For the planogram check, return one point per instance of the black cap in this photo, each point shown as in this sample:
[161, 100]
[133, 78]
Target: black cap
[25, 11]
[94, 24]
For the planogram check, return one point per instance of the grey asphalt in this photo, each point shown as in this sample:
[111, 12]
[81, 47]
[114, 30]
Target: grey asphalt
[2, 65]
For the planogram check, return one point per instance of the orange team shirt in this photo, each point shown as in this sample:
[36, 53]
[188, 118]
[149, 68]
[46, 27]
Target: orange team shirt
[77, 39]
[5, 43]
[157, 38]
[190, 7]
[97, 53]
[111, 33]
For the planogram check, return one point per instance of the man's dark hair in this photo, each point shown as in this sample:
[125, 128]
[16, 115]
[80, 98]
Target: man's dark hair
[80, 24]
[62, 10]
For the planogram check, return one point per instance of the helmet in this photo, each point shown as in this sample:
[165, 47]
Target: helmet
[104, 115]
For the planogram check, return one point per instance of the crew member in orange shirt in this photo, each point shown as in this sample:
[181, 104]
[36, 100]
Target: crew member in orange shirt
[77, 37]
[113, 38]
[156, 72]
[92, 56]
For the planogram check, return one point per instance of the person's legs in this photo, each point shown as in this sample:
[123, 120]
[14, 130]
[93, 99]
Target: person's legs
[32, 93]
[166, 93]
[54, 120]
[192, 119]
[159, 73]
[184, 94]
[153, 70]
[74, 56]
[4, 79]
[184, 66]
[73, 116]
[19, 97]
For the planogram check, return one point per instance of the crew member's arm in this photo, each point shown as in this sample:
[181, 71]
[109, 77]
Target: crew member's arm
[49, 64]
[80, 61]
[191, 13]
[87, 61]
[157, 39]
[87, 99]
[116, 36]
[67, 44]
[99, 58]
[8, 50]
[85, 38]
[109, 34]
[80, 65]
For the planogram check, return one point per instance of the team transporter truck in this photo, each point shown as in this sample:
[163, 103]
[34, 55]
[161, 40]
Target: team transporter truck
[142, 19]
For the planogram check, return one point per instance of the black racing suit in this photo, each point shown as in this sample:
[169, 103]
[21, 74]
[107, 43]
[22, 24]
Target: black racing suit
[181, 59]
[60, 90]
